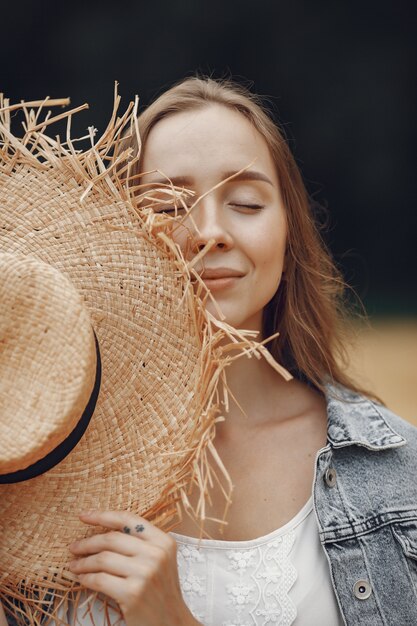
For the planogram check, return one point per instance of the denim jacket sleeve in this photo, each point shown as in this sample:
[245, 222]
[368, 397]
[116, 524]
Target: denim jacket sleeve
[365, 497]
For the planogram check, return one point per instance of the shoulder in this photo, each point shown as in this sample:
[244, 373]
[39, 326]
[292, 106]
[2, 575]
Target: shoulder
[407, 431]
[354, 418]
[405, 428]
[370, 441]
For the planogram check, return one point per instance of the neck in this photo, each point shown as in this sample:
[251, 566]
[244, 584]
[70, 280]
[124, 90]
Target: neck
[261, 392]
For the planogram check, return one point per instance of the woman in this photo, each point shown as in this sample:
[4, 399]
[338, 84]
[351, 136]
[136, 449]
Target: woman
[322, 527]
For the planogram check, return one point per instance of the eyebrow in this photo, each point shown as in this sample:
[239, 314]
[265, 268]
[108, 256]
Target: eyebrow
[186, 181]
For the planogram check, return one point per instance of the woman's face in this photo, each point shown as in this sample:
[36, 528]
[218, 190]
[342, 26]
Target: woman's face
[245, 216]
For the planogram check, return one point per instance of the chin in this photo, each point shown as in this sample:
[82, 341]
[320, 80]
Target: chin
[235, 319]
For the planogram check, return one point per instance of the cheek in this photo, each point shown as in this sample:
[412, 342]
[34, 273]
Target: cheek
[270, 263]
[269, 252]
[181, 235]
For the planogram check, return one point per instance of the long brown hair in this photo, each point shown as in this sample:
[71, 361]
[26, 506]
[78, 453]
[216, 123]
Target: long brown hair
[307, 309]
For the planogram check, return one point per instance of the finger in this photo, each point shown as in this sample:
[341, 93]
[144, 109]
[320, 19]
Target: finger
[114, 541]
[109, 563]
[112, 586]
[128, 523]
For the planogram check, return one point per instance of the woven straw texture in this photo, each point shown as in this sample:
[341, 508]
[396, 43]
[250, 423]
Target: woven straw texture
[47, 343]
[151, 434]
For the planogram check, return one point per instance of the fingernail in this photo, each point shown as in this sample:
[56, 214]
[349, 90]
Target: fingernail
[86, 513]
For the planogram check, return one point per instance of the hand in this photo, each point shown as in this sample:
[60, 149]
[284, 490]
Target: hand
[3, 620]
[136, 565]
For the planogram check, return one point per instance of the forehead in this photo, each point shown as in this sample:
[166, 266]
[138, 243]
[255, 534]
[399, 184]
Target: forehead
[205, 141]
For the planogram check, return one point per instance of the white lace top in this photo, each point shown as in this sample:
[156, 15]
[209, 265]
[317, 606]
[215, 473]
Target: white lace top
[280, 579]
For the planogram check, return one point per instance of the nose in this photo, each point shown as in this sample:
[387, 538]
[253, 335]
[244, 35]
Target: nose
[210, 223]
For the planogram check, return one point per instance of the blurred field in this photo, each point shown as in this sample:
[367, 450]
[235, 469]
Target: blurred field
[384, 360]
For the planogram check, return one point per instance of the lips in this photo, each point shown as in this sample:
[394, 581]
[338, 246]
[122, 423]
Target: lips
[220, 272]
[220, 278]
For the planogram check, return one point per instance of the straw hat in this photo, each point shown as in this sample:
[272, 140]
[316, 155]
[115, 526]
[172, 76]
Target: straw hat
[109, 361]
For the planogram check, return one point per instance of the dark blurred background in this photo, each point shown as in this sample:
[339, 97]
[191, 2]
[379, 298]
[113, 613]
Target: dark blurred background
[340, 77]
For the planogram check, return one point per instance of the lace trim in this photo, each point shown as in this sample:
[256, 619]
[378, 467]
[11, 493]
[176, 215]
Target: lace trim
[241, 583]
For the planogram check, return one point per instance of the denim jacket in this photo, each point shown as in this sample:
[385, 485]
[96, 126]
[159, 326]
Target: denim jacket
[365, 500]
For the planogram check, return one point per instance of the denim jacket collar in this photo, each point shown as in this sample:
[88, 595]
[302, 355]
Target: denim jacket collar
[354, 419]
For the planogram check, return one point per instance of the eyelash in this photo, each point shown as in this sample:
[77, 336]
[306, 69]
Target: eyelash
[254, 207]
[170, 210]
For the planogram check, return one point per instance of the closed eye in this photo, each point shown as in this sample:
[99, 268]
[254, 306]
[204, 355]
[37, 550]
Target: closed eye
[253, 207]
[170, 209]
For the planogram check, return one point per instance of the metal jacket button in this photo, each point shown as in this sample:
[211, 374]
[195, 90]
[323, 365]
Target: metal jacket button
[362, 589]
[330, 477]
